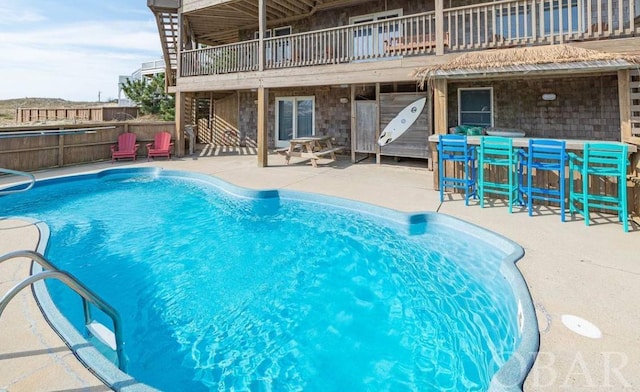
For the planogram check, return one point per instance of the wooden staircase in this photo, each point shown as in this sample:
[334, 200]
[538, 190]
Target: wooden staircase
[166, 12]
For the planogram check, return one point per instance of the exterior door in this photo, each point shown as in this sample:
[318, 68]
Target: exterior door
[282, 49]
[366, 125]
[295, 117]
[368, 40]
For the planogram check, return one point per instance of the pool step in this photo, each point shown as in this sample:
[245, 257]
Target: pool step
[103, 334]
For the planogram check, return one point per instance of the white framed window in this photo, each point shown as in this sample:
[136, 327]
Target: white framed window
[375, 16]
[516, 21]
[295, 117]
[267, 34]
[368, 41]
[280, 31]
[475, 106]
[566, 17]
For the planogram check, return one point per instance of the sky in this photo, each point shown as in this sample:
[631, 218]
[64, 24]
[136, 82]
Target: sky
[73, 49]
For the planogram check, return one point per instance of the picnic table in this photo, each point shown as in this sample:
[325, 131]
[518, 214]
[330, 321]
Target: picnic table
[310, 147]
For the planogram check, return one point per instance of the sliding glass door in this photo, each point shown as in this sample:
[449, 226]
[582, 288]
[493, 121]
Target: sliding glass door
[368, 40]
[295, 117]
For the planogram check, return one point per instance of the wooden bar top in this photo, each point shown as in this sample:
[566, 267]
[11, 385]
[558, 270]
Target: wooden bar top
[306, 139]
[572, 144]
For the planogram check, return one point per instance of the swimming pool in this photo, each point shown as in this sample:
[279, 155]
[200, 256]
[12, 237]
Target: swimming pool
[281, 290]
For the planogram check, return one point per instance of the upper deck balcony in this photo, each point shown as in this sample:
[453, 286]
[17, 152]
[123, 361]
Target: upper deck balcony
[166, 4]
[191, 5]
[499, 24]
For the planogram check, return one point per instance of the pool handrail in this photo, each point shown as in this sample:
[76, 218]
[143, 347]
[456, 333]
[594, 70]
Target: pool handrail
[71, 282]
[32, 181]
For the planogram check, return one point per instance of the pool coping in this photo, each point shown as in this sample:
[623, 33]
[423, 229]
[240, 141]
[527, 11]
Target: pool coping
[510, 376]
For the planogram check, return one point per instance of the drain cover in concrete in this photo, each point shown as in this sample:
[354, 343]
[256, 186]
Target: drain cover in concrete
[581, 326]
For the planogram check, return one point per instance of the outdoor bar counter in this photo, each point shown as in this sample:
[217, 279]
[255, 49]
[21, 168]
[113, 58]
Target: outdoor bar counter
[573, 145]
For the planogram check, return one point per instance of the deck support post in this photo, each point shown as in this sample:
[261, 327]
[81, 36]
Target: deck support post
[439, 27]
[440, 105]
[378, 148]
[180, 122]
[352, 99]
[439, 122]
[263, 109]
[624, 98]
[262, 25]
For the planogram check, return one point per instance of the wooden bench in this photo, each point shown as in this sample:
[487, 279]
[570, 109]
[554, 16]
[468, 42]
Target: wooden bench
[331, 151]
[417, 43]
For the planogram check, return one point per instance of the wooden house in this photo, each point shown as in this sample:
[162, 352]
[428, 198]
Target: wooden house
[260, 72]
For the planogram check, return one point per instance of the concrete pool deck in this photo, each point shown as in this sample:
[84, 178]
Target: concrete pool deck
[591, 272]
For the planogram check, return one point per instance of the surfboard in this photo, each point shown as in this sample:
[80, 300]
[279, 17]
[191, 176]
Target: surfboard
[401, 122]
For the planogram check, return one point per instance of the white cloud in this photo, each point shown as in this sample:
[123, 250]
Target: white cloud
[123, 35]
[72, 75]
[118, 8]
[75, 61]
[16, 15]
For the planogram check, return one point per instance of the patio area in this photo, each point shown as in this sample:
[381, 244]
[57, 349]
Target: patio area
[590, 272]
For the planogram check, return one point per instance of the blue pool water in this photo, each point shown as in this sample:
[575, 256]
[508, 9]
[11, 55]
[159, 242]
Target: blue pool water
[219, 289]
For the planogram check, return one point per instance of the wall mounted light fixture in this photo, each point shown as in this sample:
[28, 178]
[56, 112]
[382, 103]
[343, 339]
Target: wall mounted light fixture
[344, 100]
[549, 97]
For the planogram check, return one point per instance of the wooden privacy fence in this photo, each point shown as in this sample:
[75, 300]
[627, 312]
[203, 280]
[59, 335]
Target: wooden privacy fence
[22, 149]
[109, 113]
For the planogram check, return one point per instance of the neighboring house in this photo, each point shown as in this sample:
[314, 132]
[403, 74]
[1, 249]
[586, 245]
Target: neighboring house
[257, 72]
[147, 69]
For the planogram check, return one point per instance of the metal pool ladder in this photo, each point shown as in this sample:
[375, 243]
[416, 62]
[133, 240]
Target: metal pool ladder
[113, 340]
[32, 181]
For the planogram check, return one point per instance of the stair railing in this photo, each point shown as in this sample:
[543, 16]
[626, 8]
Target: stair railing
[101, 333]
[32, 181]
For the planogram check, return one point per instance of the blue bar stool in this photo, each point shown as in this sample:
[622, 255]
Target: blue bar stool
[543, 155]
[495, 152]
[600, 160]
[454, 148]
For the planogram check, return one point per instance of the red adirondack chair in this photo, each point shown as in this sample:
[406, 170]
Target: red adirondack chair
[161, 146]
[126, 147]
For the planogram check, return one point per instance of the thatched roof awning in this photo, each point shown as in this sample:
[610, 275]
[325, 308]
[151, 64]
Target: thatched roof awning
[536, 59]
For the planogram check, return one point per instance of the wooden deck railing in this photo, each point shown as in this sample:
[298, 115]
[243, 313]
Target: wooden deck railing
[238, 57]
[486, 25]
[359, 42]
[520, 22]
